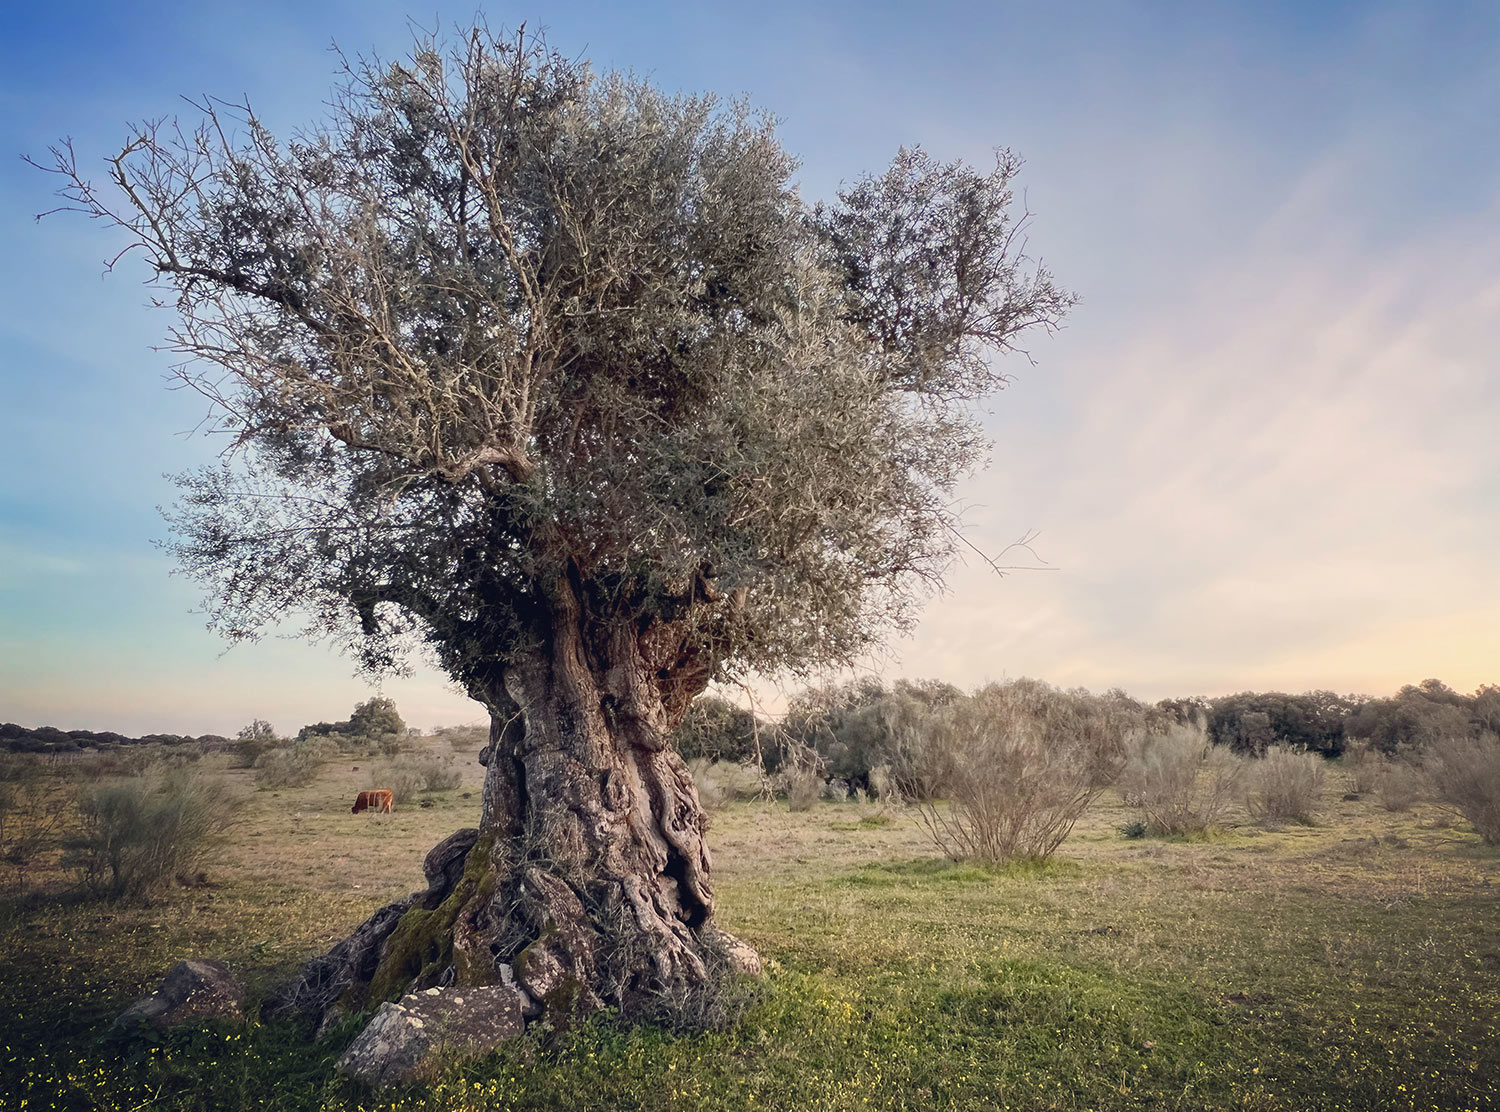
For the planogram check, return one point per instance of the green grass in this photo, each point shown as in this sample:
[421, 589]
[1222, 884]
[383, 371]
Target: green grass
[1350, 965]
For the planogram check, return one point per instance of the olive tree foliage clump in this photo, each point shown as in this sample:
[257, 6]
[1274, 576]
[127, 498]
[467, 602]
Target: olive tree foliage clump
[557, 375]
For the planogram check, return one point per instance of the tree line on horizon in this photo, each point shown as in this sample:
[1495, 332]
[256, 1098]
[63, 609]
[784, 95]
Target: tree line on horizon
[848, 722]
[853, 725]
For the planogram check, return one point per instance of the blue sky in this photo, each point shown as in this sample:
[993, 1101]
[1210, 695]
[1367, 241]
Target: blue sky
[1263, 454]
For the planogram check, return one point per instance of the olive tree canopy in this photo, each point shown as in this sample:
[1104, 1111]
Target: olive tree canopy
[559, 374]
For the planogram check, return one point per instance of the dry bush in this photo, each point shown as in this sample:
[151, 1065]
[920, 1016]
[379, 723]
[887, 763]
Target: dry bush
[1365, 764]
[1018, 764]
[1399, 786]
[391, 745]
[883, 786]
[139, 834]
[407, 776]
[1182, 783]
[802, 774]
[440, 775]
[294, 766]
[1465, 774]
[803, 788]
[721, 783]
[1286, 786]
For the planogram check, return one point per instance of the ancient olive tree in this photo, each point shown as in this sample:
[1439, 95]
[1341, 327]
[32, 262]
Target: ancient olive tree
[557, 375]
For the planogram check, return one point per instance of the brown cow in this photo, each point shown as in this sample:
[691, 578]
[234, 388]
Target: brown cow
[379, 800]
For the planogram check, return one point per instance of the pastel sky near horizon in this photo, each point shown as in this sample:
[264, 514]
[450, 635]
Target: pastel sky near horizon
[1264, 453]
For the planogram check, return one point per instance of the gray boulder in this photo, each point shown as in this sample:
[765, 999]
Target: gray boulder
[191, 992]
[414, 1038]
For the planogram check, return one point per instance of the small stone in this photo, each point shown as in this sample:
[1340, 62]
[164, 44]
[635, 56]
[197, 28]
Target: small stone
[191, 991]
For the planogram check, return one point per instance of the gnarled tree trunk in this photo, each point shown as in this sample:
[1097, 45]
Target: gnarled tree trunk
[587, 880]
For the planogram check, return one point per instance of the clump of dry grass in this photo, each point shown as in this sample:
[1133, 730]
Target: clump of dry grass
[1465, 774]
[1286, 786]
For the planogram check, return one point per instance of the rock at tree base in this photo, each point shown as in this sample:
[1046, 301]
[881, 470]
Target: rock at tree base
[741, 956]
[191, 991]
[412, 1039]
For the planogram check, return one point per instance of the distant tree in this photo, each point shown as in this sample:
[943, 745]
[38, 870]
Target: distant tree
[1250, 722]
[1416, 717]
[375, 718]
[560, 376]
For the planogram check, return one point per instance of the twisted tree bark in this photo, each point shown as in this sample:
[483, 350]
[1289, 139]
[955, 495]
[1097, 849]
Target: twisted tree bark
[586, 882]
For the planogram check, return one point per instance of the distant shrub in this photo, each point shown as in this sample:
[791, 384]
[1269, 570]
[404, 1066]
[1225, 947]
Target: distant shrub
[1399, 785]
[407, 776]
[130, 760]
[721, 783]
[803, 787]
[1286, 786]
[1465, 774]
[34, 806]
[440, 775]
[883, 786]
[138, 834]
[1365, 764]
[1181, 782]
[1135, 828]
[252, 743]
[391, 745]
[717, 730]
[294, 766]
[462, 739]
[1018, 764]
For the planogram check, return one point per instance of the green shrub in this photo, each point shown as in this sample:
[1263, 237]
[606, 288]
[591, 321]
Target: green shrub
[139, 834]
[1465, 774]
[1286, 786]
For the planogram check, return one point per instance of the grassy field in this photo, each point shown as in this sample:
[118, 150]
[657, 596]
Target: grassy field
[1350, 965]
